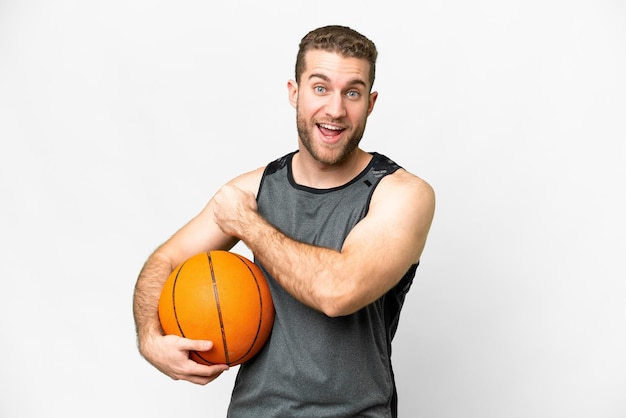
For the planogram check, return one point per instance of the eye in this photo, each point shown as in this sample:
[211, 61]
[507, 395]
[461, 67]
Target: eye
[353, 94]
[319, 89]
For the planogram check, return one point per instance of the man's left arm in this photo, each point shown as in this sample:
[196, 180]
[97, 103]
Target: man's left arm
[375, 256]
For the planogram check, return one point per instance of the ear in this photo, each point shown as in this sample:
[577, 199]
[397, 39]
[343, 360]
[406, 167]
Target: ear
[292, 87]
[372, 100]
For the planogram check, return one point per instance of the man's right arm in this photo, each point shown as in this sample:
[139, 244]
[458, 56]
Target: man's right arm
[170, 354]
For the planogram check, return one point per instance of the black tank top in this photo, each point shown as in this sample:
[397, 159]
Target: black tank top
[312, 365]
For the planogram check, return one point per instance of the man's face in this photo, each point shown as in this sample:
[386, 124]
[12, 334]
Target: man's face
[332, 104]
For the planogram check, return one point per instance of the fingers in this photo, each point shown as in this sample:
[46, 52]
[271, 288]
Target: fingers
[195, 345]
[173, 360]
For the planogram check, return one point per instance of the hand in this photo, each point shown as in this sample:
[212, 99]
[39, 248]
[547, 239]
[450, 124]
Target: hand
[232, 210]
[170, 354]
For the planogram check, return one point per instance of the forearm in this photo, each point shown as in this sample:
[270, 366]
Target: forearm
[307, 272]
[146, 297]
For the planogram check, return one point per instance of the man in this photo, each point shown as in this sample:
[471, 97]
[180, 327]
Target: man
[338, 233]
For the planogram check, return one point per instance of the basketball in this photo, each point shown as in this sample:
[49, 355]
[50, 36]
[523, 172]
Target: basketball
[219, 296]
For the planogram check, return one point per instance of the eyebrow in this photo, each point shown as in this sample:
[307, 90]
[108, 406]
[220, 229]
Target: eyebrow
[355, 81]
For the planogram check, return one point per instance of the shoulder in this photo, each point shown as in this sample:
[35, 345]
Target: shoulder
[406, 192]
[398, 177]
[249, 181]
[402, 181]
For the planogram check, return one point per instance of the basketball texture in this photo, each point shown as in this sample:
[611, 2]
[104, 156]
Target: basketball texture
[219, 296]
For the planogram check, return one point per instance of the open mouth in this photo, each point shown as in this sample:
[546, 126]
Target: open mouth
[330, 131]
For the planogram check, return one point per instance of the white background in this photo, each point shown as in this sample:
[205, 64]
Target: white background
[119, 119]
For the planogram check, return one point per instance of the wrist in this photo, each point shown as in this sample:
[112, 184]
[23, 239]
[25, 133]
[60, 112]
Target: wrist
[146, 341]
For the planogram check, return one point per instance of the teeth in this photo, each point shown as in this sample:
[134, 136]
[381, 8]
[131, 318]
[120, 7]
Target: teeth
[334, 128]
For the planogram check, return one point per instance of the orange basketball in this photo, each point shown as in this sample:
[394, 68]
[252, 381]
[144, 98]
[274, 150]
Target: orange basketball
[219, 296]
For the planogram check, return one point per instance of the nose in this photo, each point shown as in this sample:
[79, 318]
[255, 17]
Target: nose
[335, 107]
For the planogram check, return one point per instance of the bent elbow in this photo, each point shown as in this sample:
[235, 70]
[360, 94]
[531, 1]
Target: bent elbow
[338, 305]
[338, 296]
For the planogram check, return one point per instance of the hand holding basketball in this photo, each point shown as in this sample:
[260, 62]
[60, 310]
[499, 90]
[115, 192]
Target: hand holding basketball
[222, 297]
[170, 355]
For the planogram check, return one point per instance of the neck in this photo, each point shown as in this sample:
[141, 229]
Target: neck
[311, 173]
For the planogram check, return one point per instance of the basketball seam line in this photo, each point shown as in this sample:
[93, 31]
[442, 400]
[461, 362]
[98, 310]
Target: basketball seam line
[219, 309]
[180, 328]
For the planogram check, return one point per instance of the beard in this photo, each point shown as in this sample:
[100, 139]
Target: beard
[327, 155]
